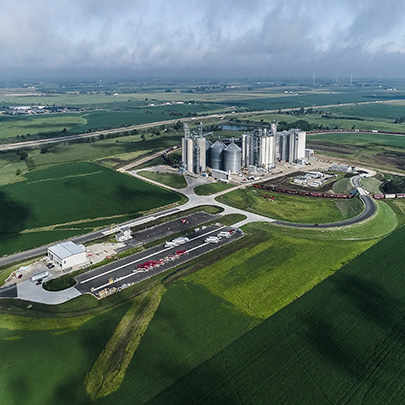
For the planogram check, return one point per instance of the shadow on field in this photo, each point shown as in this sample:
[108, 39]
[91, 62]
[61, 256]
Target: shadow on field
[366, 313]
[13, 216]
[19, 389]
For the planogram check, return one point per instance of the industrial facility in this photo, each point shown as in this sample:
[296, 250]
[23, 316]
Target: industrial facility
[255, 150]
[67, 255]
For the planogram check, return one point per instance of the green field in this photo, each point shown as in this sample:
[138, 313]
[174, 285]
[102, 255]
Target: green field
[212, 188]
[340, 343]
[60, 358]
[57, 199]
[10, 127]
[293, 208]
[169, 179]
[377, 150]
[199, 317]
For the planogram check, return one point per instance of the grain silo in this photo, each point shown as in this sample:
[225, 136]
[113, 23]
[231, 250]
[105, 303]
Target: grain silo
[232, 158]
[216, 155]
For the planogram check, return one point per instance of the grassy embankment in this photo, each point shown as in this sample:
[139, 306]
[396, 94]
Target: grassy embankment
[212, 188]
[96, 197]
[169, 179]
[293, 208]
[109, 369]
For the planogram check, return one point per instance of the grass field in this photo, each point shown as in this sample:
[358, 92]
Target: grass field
[293, 208]
[67, 194]
[340, 343]
[212, 188]
[62, 359]
[168, 179]
[371, 184]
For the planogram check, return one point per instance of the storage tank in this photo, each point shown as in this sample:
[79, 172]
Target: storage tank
[207, 152]
[232, 158]
[216, 155]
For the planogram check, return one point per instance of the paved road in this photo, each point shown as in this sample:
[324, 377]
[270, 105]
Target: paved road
[9, 292]
[18, 145]
[121, 273]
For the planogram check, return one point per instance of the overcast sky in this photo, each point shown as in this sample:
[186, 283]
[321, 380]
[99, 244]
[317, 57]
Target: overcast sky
[213, 38]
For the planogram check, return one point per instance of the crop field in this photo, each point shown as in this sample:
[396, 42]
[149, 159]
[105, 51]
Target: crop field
[194, 323]
[10, 127]
[109, 152]
[293, 208]
[168, 179]
[71, 193]
[59, 359]
[340, 343]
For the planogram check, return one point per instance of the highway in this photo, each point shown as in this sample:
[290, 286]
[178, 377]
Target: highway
[40, 142]
[120, 274]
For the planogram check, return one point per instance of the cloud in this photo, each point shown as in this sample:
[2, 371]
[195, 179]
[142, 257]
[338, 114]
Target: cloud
[223, 37]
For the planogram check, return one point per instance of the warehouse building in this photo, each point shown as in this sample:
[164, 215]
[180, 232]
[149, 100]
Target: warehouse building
[67, 255]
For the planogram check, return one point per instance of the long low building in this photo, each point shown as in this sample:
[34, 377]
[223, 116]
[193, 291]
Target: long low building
[67, 254]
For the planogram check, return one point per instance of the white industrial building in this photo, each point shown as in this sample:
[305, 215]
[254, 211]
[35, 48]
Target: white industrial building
[67, 254]
[124, 234]
[291, 145]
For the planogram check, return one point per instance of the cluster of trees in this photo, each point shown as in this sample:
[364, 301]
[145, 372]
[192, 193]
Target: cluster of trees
[400, 120]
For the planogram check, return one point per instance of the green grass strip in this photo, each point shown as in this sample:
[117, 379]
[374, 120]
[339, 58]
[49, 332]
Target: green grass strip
[109, 369]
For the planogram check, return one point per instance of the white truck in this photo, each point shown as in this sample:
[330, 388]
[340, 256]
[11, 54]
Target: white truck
[39, 276]
[212, 239]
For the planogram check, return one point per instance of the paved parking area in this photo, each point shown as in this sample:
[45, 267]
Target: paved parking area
[123, 273]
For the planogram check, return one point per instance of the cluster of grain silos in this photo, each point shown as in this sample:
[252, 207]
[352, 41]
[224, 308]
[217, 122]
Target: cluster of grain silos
[227, 158]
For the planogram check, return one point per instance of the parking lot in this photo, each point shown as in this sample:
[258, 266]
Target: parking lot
[138, 267]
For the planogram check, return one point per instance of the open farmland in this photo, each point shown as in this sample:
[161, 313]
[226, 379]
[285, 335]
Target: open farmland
[194, 321]
[61, 197]
[10, 127]
[343, 342]
[293, 208]
[61, 358]
[381, 150]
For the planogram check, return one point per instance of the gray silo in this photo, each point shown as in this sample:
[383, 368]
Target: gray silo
[207, 152]
[216, 155]
[232, 158]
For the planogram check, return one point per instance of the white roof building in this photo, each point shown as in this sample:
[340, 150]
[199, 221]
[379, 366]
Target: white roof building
[67, 254]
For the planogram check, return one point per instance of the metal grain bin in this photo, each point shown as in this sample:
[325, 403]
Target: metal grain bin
[216, 155]
[232, 158]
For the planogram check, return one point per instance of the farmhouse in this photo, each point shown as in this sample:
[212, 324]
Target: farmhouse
[67, 254]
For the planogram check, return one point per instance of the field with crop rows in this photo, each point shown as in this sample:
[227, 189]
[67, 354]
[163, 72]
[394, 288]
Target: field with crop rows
[343, 342]
[67, 194]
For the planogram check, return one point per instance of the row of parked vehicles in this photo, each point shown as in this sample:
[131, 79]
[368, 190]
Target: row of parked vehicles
[154, 264]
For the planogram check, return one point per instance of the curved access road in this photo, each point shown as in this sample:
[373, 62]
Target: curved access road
[369, 210]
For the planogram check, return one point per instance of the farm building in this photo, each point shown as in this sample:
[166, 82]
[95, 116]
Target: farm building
[67, 254]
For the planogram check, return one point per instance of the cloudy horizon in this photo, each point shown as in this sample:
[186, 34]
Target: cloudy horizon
[224, 38]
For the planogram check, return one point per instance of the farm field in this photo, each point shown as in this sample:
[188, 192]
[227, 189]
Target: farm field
[293, 208]
[169, 179]
[94, 193]
[61, 358]
[193, 323]
[109, 152]
[10, 127]
[340, 343]
[213, 188]
[380, 150]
